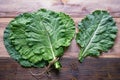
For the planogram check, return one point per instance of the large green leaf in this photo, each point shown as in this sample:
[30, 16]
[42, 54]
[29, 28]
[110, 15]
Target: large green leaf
[35, 39]
[97, 32]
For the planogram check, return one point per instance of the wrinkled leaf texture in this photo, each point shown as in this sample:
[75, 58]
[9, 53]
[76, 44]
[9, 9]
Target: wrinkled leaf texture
[34, 39]
[97, 32]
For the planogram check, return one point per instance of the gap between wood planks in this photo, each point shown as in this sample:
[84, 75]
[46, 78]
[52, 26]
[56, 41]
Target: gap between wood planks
[2, 20]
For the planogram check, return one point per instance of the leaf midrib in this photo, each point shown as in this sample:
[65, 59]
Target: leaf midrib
[92, 38]
[51, 47]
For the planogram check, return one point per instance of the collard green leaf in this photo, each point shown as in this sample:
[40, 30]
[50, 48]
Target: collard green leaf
[97, 32]
[35, 39]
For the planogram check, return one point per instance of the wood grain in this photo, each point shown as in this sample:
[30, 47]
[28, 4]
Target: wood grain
[75, 8]
[106, 67]
[90, 69]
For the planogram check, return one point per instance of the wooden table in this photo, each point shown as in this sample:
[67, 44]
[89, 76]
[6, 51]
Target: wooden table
[106, 67]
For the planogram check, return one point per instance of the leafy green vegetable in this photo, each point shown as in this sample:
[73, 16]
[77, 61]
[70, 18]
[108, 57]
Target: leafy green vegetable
[97, 32]
[38, 39]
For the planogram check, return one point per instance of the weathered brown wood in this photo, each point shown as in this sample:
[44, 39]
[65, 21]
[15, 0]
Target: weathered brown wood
[106, 67]
[90, 69]
[75, 8]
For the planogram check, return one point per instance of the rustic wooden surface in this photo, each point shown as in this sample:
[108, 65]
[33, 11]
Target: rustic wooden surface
[90, 69]
[106, 67]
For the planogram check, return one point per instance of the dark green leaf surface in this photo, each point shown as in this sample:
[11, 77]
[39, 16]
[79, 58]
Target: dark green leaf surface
[97, 32]
[35, 39]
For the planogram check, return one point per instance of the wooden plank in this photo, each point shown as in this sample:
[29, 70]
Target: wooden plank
[73, 50]
[106, 67]
[3, 52]
[90, 69]
[75, 8]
